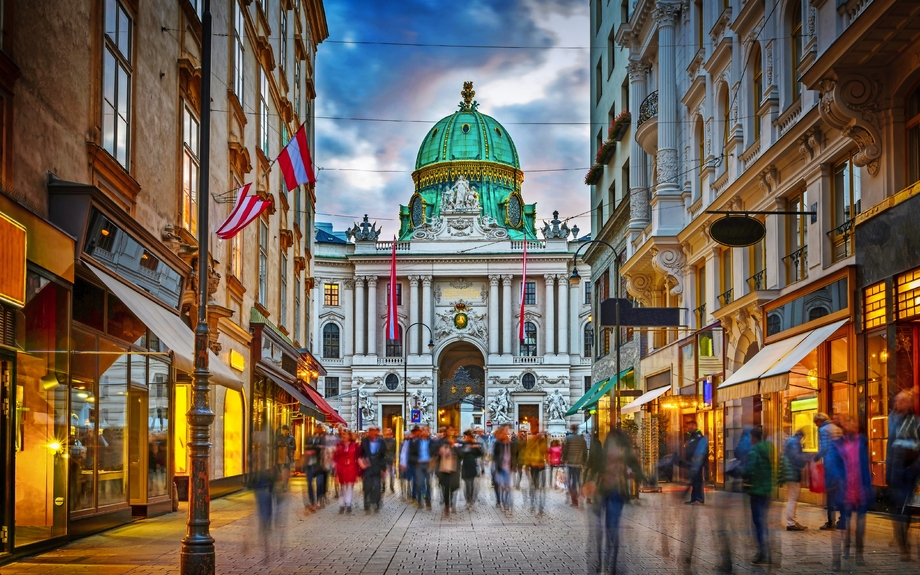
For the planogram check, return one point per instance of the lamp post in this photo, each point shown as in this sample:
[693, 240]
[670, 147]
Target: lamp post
[197, 555]
[406, 418]
[575, 279]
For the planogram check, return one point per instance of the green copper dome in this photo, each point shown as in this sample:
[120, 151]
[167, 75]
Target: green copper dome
[467, 135]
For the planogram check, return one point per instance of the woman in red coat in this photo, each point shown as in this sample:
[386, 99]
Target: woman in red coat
[346, 469]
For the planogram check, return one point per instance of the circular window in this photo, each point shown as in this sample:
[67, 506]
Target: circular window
[514, 211]
[392, 382]
[528, 381]
[417, 211]
[465, 128]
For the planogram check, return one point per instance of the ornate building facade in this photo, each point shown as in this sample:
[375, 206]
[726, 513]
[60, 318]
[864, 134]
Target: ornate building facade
[459, 359]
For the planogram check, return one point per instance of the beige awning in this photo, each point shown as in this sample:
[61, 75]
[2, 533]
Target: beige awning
[168, 326]
[777, 377]
[636, 404]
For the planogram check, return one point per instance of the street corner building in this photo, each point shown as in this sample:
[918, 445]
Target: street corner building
[99, 234]
[458, 357]
[806, 108]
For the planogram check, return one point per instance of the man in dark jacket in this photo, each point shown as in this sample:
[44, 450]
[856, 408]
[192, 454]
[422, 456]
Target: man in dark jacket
[390, 442]
[372, 457]
[501, 467]
[518, 444]
[759, 474]
[795, 461]
[574, 455]
[696, 453]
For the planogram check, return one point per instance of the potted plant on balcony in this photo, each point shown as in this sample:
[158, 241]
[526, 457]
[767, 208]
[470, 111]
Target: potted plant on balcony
[619, 125]
[605, 152]
[594, 174]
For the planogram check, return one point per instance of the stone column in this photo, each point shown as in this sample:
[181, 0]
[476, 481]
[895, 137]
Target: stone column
[426, 313]
[507, 306]
[550, 309]
[638, 161]
[360, 315]
[667, 203]
[348, 310]
[493, 314]
[372, 320]
[412, 336]
[563, 314]
[319, 300]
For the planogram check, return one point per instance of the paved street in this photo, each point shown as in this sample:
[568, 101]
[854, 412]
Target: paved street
[404, 539]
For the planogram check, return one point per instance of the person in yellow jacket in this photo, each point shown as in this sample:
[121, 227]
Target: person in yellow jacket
[534, 458]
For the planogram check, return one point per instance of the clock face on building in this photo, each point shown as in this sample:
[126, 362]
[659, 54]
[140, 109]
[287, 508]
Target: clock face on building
[417, 211]
[515, 211]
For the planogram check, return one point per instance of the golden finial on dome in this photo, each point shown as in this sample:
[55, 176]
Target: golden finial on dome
[468, 92]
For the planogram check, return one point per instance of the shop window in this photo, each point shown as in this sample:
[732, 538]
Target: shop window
[180, 445]
[89, 305]
[82, 437]
[839, 376]
[158, 428]
[529, 344]
[111, 424]
[800, 401]
[233, 433]
[877, 402]
[123, 324]
[331, 341]
[875, 306]
[907, 289]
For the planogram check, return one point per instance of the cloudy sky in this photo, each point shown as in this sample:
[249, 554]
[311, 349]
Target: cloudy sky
[366, 166]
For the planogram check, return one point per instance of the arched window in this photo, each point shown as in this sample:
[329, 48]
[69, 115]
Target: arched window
[529, 345]
[756, 88]
[394, 346]
[726, 120]
[331, 341]
[774, 324]
[817, 312]
[528, 381]
[913, 137]
[796, 43]
[700, 156]
[589, 340]
[391, 381]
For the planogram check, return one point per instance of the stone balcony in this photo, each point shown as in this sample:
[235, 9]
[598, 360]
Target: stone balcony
[647, 124]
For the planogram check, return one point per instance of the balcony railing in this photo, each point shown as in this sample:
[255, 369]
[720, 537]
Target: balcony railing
[389, 361]
[727, 297]
[700, 314]
[797, 264]
[758, 281]
[648, 109]
[528, 359]
[842, 238]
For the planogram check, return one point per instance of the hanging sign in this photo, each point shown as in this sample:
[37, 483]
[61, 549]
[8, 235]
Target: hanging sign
[12, 261]
[737, 231]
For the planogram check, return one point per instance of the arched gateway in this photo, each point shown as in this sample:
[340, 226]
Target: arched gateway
[461, 387]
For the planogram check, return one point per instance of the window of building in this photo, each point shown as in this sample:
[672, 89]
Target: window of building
[757, 257]
[298, 94]
[398, 293]
[611, 50]
[239, 27]
[599, 81]
[530, 293]
[330, 342]
[612, 196]
[331, 294]
[263, 112]
[797, 239]
[817, 313]
[236, 256]
[874, 306]
[907, 290]
[394, 347]
[598, 15]
[701, 295]
[602, 292]
[528, 381]
[725, 297]
[913, 137]
[529, 345]
[283, 288]
[795, 49]
[392, 382]
[263, 262]
[116, 81]
[774, 323]
[726, 121]
[624, 178]
[190, 165]
[297, 334]
[587, 383]
[332, 386]
[587, 292]
[847, 203]
[624, 93]
[282, 41]
[589, 340]
[756, 88]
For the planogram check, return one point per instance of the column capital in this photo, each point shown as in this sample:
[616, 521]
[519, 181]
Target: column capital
[371, 281]
[426, 281]
[550, 279]
[506, 280]
[494, 279]
[413, 281]
[359, 281]
[562, 280]
[666, 13]
[637, 70]
[348, 283]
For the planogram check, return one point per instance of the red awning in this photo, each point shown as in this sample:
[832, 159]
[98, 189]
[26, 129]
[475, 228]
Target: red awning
[332, 415]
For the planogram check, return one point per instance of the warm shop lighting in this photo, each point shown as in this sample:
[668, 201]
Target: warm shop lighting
[104, 232]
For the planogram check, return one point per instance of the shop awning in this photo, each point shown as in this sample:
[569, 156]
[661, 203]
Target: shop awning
[307, 407]
[646, 397]
[576, 407]
[332, 416]
[626, 374]
[768, 370]
[167, 326]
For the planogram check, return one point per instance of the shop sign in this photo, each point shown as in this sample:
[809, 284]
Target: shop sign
[237, 360]
[12, 261]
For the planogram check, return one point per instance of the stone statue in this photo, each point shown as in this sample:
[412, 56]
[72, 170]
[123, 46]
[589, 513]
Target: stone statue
[556, 405]
[364, 232]
[556, 229]
[422, 403]
[500, 407]
[368, 413]
[461, 197]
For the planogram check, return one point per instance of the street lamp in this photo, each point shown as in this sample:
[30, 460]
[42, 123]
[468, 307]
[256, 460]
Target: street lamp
[575, 279]
[406, 419]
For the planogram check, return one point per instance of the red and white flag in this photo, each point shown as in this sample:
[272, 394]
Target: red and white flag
[523, 290]
[392, 317]
[246, 209]
[295, 161]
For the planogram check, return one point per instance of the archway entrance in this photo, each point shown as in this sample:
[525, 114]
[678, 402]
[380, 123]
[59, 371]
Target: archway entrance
[461, 390]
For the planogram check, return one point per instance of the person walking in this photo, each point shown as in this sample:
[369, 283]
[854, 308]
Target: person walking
[448, 469]
[554, 459]
[828, 432]
[501, 467]
[696, 454]
[517, 456]
[373, 463]
[470, 453]
[284, 455]
[574, 455]
[534, 457]
[857, 492]
[759, 474]
[389, 442]
[903, 458]
[795, 462]
[313, 466]
[418, 458]
[346, 469]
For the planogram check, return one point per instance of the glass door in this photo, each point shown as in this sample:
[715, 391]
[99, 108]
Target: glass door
[137, 447]
[6, 376]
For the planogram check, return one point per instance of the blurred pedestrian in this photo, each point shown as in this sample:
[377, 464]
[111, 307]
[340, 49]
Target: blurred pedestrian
[313, 464]
[903, 459]
[534, 457]
[759, 475]
[501, 467]
[373, 465]
[470, 454]
[389, 442]
[554, 459]
[263, 484]
[696, 454]
[574, 455]
[518, 444]
[346, 469]
[448, 469]
[418, 457]
[284, 455]
[857, 488]
[828, 432]
[795, 462]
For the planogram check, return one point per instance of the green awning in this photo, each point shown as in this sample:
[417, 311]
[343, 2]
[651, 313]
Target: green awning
[576, 407]
[626, 376]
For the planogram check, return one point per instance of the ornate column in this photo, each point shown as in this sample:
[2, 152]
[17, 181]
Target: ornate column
[667, 203]
[348, 311]
[563, 314]
[638, 161]
[412, 336]
[372, 321]
[507, 306]
[426, 310]
[493, 314]
[550, 308]
[360, 315]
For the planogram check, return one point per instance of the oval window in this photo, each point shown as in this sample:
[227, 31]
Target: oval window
[465, 128]
[528, 381]
[392, 382]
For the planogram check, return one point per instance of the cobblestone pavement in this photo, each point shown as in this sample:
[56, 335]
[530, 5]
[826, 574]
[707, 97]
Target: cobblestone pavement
[656, 534]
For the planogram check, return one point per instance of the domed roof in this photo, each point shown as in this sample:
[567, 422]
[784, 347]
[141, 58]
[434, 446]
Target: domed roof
[467, 135]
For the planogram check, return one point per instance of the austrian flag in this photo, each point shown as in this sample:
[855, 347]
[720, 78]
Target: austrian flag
[246, 209]
[295, 161]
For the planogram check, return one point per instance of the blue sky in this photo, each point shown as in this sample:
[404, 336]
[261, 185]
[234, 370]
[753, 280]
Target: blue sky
[424, 83]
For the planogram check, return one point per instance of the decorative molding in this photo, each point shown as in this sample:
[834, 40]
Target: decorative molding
[810, 144]
[769, 179]
[667, 166]
[639, 286]
[666, 14]
[670, 262]
[849, 104]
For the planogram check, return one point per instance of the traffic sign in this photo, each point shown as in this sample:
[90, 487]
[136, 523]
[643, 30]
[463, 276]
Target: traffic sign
[416, 415]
